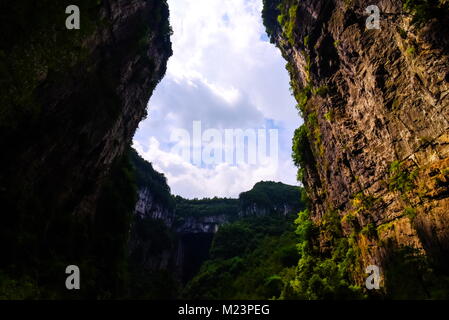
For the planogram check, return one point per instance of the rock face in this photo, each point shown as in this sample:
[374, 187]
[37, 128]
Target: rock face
[151, 242]
[193, 223]
[148, 208]
[258, 210]
[375, 144]
[207, 224]
[71, 101]
[195, 235]
[89, 115]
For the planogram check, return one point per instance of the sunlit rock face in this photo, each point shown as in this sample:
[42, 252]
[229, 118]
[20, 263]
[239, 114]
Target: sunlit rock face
[376, 108]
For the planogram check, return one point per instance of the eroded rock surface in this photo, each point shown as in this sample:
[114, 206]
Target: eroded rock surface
[376, 108]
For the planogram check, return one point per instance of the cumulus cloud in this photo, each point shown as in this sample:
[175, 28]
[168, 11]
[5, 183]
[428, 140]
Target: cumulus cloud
[225, 74]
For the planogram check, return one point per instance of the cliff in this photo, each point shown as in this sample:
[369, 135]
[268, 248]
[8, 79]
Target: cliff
[175, 234]
[373, 152]
[71, 101]
[152, 240]
[154, 198]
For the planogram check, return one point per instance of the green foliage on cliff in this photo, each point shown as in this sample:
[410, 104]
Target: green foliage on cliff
[424, 10]
[270, 13]
[268, 195]
[151, 238]
[401, 179]
[250, 255]
[287, 19]
[147, 177]
[115, 208]
[17, 289]
[248, 260]
[206, 207]
[57, 97]
[411, 274]
[271, 195]
[323, 274]
[301, 148]
[36, 45]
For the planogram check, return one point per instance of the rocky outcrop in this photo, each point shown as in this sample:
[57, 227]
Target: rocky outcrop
[206, 224]
[374, 147]
[192, 224]
[258, 210]
[148, 208]
[152, 239]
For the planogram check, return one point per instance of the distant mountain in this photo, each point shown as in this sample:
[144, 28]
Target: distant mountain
[171, 237]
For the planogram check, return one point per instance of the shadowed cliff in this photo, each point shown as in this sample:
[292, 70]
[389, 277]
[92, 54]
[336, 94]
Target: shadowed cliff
[71, 101]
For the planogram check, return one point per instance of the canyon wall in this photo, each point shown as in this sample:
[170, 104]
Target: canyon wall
[175, 234]
[374, 147]
[71, 101]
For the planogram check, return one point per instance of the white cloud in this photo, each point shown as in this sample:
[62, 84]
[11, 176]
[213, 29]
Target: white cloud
[224, 74]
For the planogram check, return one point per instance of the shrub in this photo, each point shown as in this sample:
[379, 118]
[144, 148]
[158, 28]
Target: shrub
[424, 10]
[401, 180]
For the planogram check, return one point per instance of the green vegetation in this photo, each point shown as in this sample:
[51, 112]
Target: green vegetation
[249, 260]
[301, 147]
[363, 202]
[17, 289]
[150, 239]
[410, 212]
[302, 96]
[206, 207]
[402, 33]
[287, 19]
[329, 116]
[147, 177]
[320, 91]
[271, 195]
[36, 45]
[409, 274]
[55, 93]
[401, 180]
[270, 13]
[424, 10]
[265, 194]
[330, 259]
[411, 51]
[250, 256]
[369, 231]
[306, 41]
[324, 274]
[103, 260]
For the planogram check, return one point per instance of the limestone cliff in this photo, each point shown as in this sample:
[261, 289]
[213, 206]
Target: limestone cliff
[71, 101]
[374, 148]
[152, 241]
[175, 234]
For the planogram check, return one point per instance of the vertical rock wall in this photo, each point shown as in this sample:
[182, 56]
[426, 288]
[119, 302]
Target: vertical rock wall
[375, 144]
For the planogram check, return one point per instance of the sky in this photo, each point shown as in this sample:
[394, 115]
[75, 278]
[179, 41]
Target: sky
[224, 74]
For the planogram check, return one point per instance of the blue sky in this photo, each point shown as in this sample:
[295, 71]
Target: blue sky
[226, 74]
